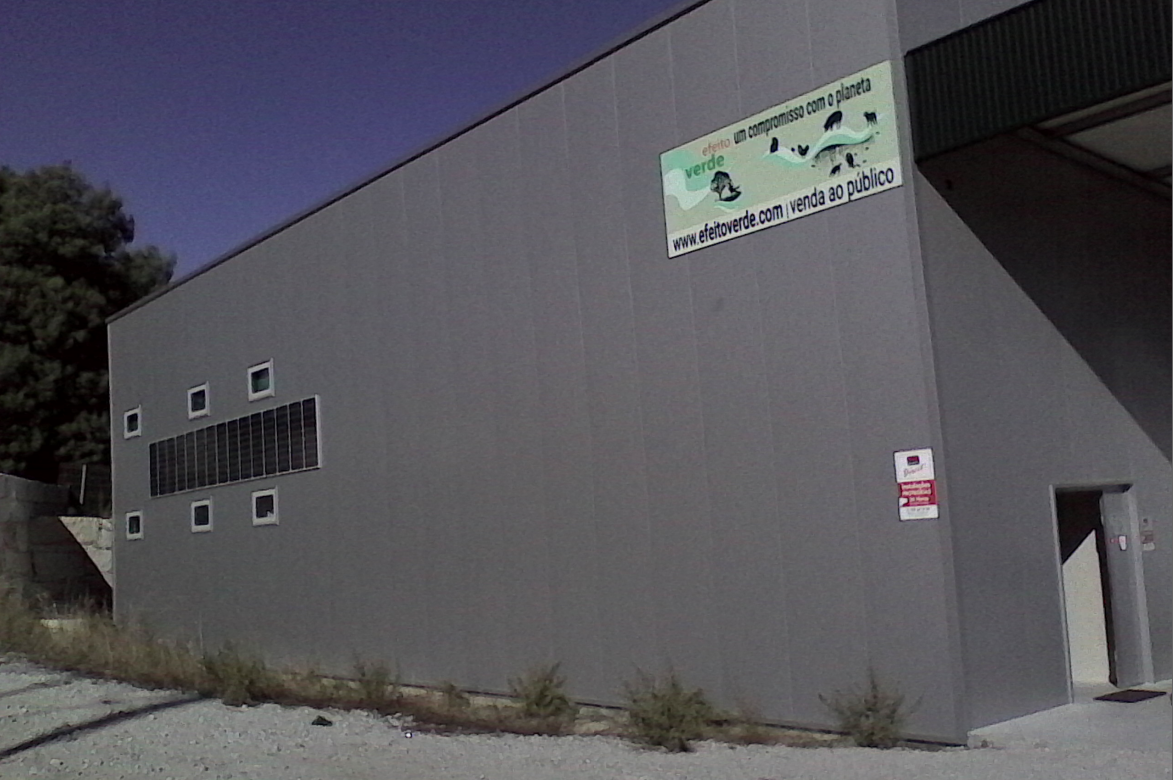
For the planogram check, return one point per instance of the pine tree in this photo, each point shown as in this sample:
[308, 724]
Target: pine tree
[65, 266]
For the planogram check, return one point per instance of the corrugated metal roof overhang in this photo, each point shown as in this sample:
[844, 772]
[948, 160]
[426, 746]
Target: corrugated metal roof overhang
[1031, 63]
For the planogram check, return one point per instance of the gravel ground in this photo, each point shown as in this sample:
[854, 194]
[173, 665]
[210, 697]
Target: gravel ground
[58, 725]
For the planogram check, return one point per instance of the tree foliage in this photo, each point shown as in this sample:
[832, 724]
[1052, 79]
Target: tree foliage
[65, 266]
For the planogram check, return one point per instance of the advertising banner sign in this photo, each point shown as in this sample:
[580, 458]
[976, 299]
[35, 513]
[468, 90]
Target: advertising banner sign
[823, 149]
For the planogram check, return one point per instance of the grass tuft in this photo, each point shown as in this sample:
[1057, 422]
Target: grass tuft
[872, 717]
[542, 699]
[453, 698]
[378, 689]
[663, 713]
[240, 678]
[541, 692]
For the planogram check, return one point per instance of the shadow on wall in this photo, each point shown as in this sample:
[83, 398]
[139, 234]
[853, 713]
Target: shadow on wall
[1091, 251]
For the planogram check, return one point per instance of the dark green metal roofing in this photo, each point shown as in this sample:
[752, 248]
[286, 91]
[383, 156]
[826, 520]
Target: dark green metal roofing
[1036, 61]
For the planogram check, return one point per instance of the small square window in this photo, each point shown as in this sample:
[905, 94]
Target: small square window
[260, 380]
[132, 423]
[265, 507]
[197, 402]
[201, 516]
[134, 525]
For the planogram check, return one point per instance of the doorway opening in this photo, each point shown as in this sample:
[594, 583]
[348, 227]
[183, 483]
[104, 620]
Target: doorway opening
[1087, 592]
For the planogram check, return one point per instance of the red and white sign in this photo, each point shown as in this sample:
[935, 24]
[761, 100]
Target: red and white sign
[916, 483]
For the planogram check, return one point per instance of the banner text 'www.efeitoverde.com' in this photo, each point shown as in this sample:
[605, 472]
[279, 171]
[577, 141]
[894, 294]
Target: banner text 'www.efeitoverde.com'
[828, 147]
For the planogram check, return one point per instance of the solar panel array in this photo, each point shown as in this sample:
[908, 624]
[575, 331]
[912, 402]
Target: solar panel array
[275, 441]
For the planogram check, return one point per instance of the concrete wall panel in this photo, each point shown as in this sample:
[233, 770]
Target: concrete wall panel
[673, 440]
[520, 574]
[703, 84]
[562, 408]
[845, 41]
[764, 29]
[742, 482]
[617, 468]
[821, 570]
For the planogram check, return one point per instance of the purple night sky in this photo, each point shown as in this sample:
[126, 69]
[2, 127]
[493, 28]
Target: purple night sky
[217, 120]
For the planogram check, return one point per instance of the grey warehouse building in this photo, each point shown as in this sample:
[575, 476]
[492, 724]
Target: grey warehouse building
[784, 341]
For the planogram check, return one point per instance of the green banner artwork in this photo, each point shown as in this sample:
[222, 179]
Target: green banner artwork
[820, 150]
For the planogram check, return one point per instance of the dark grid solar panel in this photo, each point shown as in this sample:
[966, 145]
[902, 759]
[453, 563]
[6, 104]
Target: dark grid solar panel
[233, 451]
[309, 431]
[154, 450]
[201, 457]
[189, 450]
[167, 484]
[277, 441]
[258, 444]
[296, 440]
[282, 439]
[221, 453]
[269, 439]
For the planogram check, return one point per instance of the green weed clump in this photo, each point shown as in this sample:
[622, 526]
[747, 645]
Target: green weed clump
[378, 689]
[240, 678]
[542, 694]
[874, 717]
[542, 698]
[663, 713]
[453, 698]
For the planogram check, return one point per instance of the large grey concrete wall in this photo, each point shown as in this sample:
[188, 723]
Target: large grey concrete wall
[1037, 270]
[542, 438]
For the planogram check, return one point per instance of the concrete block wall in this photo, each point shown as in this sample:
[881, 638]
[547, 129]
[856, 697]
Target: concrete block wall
[21, 500]
[39, 553]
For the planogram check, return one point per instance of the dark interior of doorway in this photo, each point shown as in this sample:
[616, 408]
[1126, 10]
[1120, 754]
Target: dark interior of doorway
[1077, 513]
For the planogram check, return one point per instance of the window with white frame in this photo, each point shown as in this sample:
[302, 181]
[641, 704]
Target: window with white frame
[134, 525]
[260, 381]
[201, 516]
[132, 423]
[264, 507]
[198, 403]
